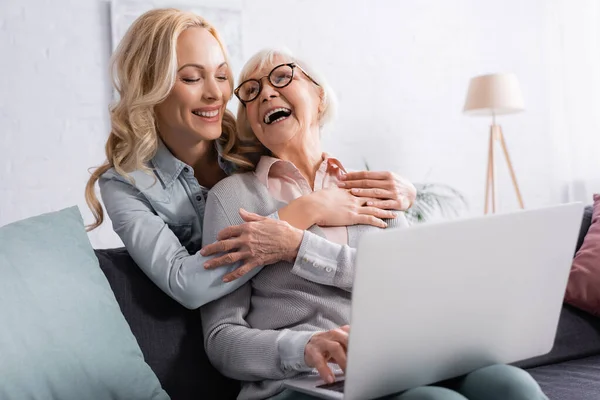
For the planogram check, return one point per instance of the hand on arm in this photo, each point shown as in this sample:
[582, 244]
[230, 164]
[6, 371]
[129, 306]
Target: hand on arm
[259, 241]
[385, 190]
[333, 207]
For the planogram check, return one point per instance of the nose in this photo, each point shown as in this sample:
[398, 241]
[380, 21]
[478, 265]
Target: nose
[211, 90]
[268, 91]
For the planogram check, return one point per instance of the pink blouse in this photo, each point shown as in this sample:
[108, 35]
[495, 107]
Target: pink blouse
[285, 183]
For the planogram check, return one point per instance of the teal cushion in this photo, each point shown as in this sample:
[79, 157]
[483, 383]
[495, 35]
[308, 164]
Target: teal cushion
[62, 334]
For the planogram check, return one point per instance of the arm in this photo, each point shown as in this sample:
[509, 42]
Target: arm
[233, 347]
[158, 252]
[314, 258]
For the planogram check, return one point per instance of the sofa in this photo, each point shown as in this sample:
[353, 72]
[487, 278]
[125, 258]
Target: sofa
[170, 337]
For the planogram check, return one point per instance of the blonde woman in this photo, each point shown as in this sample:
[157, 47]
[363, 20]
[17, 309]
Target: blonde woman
[169, 129]
[285, 321]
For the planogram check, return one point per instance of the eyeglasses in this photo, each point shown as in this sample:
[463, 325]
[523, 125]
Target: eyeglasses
[279, 77]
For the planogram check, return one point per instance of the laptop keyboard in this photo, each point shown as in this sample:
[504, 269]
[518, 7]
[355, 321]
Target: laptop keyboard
[337, 386]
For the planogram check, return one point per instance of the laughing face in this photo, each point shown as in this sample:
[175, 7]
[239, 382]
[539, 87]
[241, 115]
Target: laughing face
[193, 110]
[280, 115]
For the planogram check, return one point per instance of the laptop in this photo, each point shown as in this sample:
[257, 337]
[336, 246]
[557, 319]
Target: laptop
[440, 300]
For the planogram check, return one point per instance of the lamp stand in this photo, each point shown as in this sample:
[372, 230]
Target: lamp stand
[496, 136]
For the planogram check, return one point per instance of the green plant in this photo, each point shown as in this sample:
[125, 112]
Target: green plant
[435, 198]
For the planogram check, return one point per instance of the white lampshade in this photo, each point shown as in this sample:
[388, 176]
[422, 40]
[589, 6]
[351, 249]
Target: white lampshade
[494, 94]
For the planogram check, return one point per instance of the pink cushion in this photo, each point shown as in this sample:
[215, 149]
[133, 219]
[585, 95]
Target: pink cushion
[583, 290]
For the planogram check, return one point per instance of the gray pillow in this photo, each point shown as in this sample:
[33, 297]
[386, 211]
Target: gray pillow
[62, 334]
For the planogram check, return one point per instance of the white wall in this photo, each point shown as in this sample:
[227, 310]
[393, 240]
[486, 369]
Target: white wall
[400, 69]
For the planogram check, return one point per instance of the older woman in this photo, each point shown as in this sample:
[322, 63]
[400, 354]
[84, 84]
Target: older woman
[288, 321]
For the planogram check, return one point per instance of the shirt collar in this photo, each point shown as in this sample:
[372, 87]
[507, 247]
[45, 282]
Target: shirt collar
[166, 165]
[263, 168]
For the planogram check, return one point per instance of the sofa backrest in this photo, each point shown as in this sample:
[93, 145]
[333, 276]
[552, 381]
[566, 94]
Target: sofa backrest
[169, 335]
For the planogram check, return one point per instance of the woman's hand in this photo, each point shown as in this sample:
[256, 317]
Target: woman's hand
[259, 241]
[338, 207]
[324, 347]
[391, 191]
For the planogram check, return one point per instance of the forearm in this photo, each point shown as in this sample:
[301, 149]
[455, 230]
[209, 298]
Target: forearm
[158, 252]
[299, 213]
[245, 353]
[169, 265]
[254, 355]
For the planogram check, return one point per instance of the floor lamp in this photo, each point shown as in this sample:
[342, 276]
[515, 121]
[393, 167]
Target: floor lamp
[492, 95]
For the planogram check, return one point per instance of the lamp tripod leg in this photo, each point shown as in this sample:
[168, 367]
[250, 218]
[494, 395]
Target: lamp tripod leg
[510, 168]
[489, 182]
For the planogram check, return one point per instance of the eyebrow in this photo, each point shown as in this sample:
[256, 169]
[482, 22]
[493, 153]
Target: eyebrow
[199, 66]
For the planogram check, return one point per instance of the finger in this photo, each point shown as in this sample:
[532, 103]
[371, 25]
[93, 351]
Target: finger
[220, 246]
[367, 183]
[338, 353]
[345, 328]
[231, 231]
[377, 212]
[239, 272]
[362, 219]
[323, 369]
[339, 336]
[387, 205]
[376, 193]
[358, 175]
[226, 259]
[250, 217]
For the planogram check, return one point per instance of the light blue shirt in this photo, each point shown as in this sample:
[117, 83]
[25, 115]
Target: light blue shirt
[159, 217]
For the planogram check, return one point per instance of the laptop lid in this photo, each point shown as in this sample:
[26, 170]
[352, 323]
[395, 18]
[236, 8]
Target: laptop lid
[439, 300]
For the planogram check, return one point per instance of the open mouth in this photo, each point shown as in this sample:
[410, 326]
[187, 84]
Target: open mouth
[277, 115]
[206, 114]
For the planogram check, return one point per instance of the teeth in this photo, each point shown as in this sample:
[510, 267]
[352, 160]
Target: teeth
[268, 115]
[278, 119]
[207, 114]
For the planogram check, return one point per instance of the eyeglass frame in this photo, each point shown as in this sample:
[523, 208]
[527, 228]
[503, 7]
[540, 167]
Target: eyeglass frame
[292, 65]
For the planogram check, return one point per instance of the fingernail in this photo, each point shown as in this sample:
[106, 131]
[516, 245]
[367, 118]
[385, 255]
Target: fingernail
[330, 379]
[226, 279]
[369, 203]
[206, 266]
[354, 190]
[202, 252]
[341, 184]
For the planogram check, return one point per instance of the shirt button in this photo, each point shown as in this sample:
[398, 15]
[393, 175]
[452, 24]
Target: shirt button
[328, 269]
[198, 197]
[186, 170]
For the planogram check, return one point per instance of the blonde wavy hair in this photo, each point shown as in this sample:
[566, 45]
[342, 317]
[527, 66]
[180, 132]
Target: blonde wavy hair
[248, 148]
[143, 72]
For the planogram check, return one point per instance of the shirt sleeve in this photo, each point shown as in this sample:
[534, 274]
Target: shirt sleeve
[157, 250]
[332, 264]
[233, 347]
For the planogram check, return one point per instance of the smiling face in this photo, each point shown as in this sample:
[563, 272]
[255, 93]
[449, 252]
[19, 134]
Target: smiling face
[280, 115]
[193, 110]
